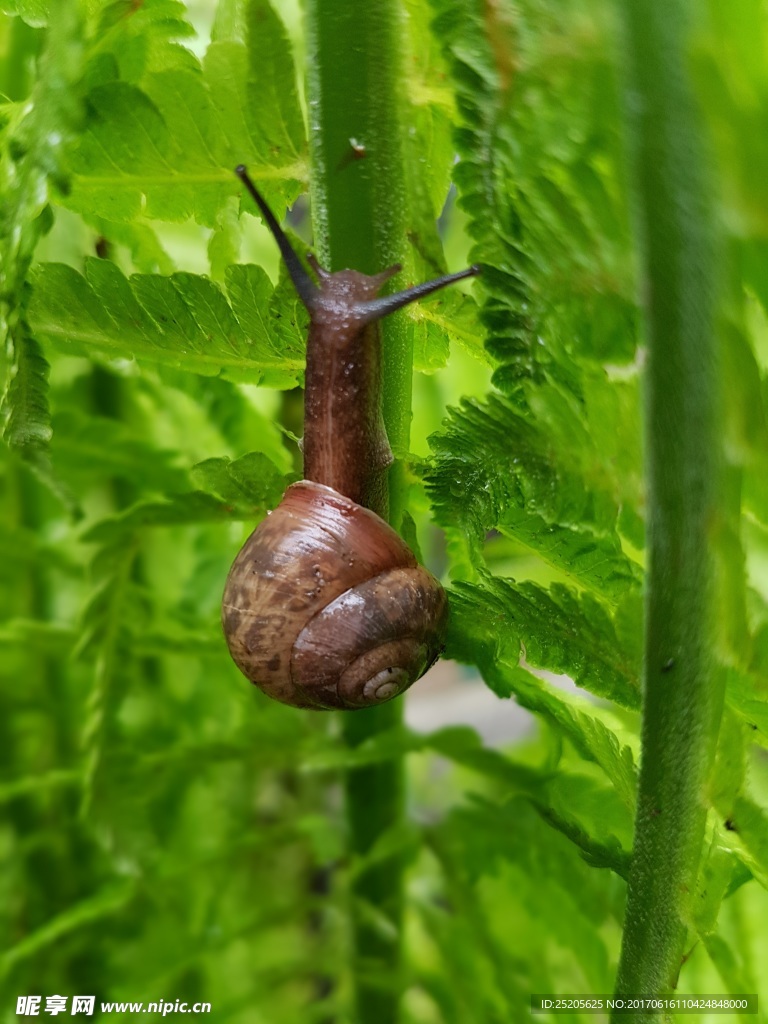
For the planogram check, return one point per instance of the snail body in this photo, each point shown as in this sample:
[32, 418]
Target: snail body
[326, 606]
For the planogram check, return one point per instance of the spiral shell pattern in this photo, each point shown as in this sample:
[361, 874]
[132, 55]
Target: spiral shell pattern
[326, 606]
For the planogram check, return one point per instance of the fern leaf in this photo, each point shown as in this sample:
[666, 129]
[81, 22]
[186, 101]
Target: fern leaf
[163, 140]
[182, 321]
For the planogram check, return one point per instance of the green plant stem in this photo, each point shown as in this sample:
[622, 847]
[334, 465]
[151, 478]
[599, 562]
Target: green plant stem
[682, 685]
[358, 211]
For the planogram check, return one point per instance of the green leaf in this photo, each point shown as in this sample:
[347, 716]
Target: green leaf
[194, 507]
[27, 415]
[272, 104]
[595, 817]
[54, 638]
[451, 318]
[31, 157]
[459, 744]
[549, 217]
[183, 321]
[496, 468]
[53, 780]
[109, 901]
[89, 448]
[34, 12]
[747, 695]
[593, 738]
[147, 253]
[429, 150]
[102, 635]
[727, 54]
[172, 638]
[555, 630]
[722, 955]
[166, 144]
[403, 841]
[28, 425]
[463, 746]
[252, 481]
[234, 491]
[715, 874]
[749, 821]
[501, 862]
[33, 145]
[591, 815]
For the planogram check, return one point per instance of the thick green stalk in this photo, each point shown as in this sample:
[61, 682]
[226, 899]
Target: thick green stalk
[358, 211]
[682, 686]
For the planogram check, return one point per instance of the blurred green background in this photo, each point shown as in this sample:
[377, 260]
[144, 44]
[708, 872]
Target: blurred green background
[169, 833]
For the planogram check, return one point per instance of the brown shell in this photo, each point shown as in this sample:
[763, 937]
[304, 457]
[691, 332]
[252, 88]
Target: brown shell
[326, 607]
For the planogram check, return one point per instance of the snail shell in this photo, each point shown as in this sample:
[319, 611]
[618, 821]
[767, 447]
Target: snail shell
[326, 606]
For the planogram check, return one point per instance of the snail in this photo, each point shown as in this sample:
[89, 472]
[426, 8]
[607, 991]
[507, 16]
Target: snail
[326, 606]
